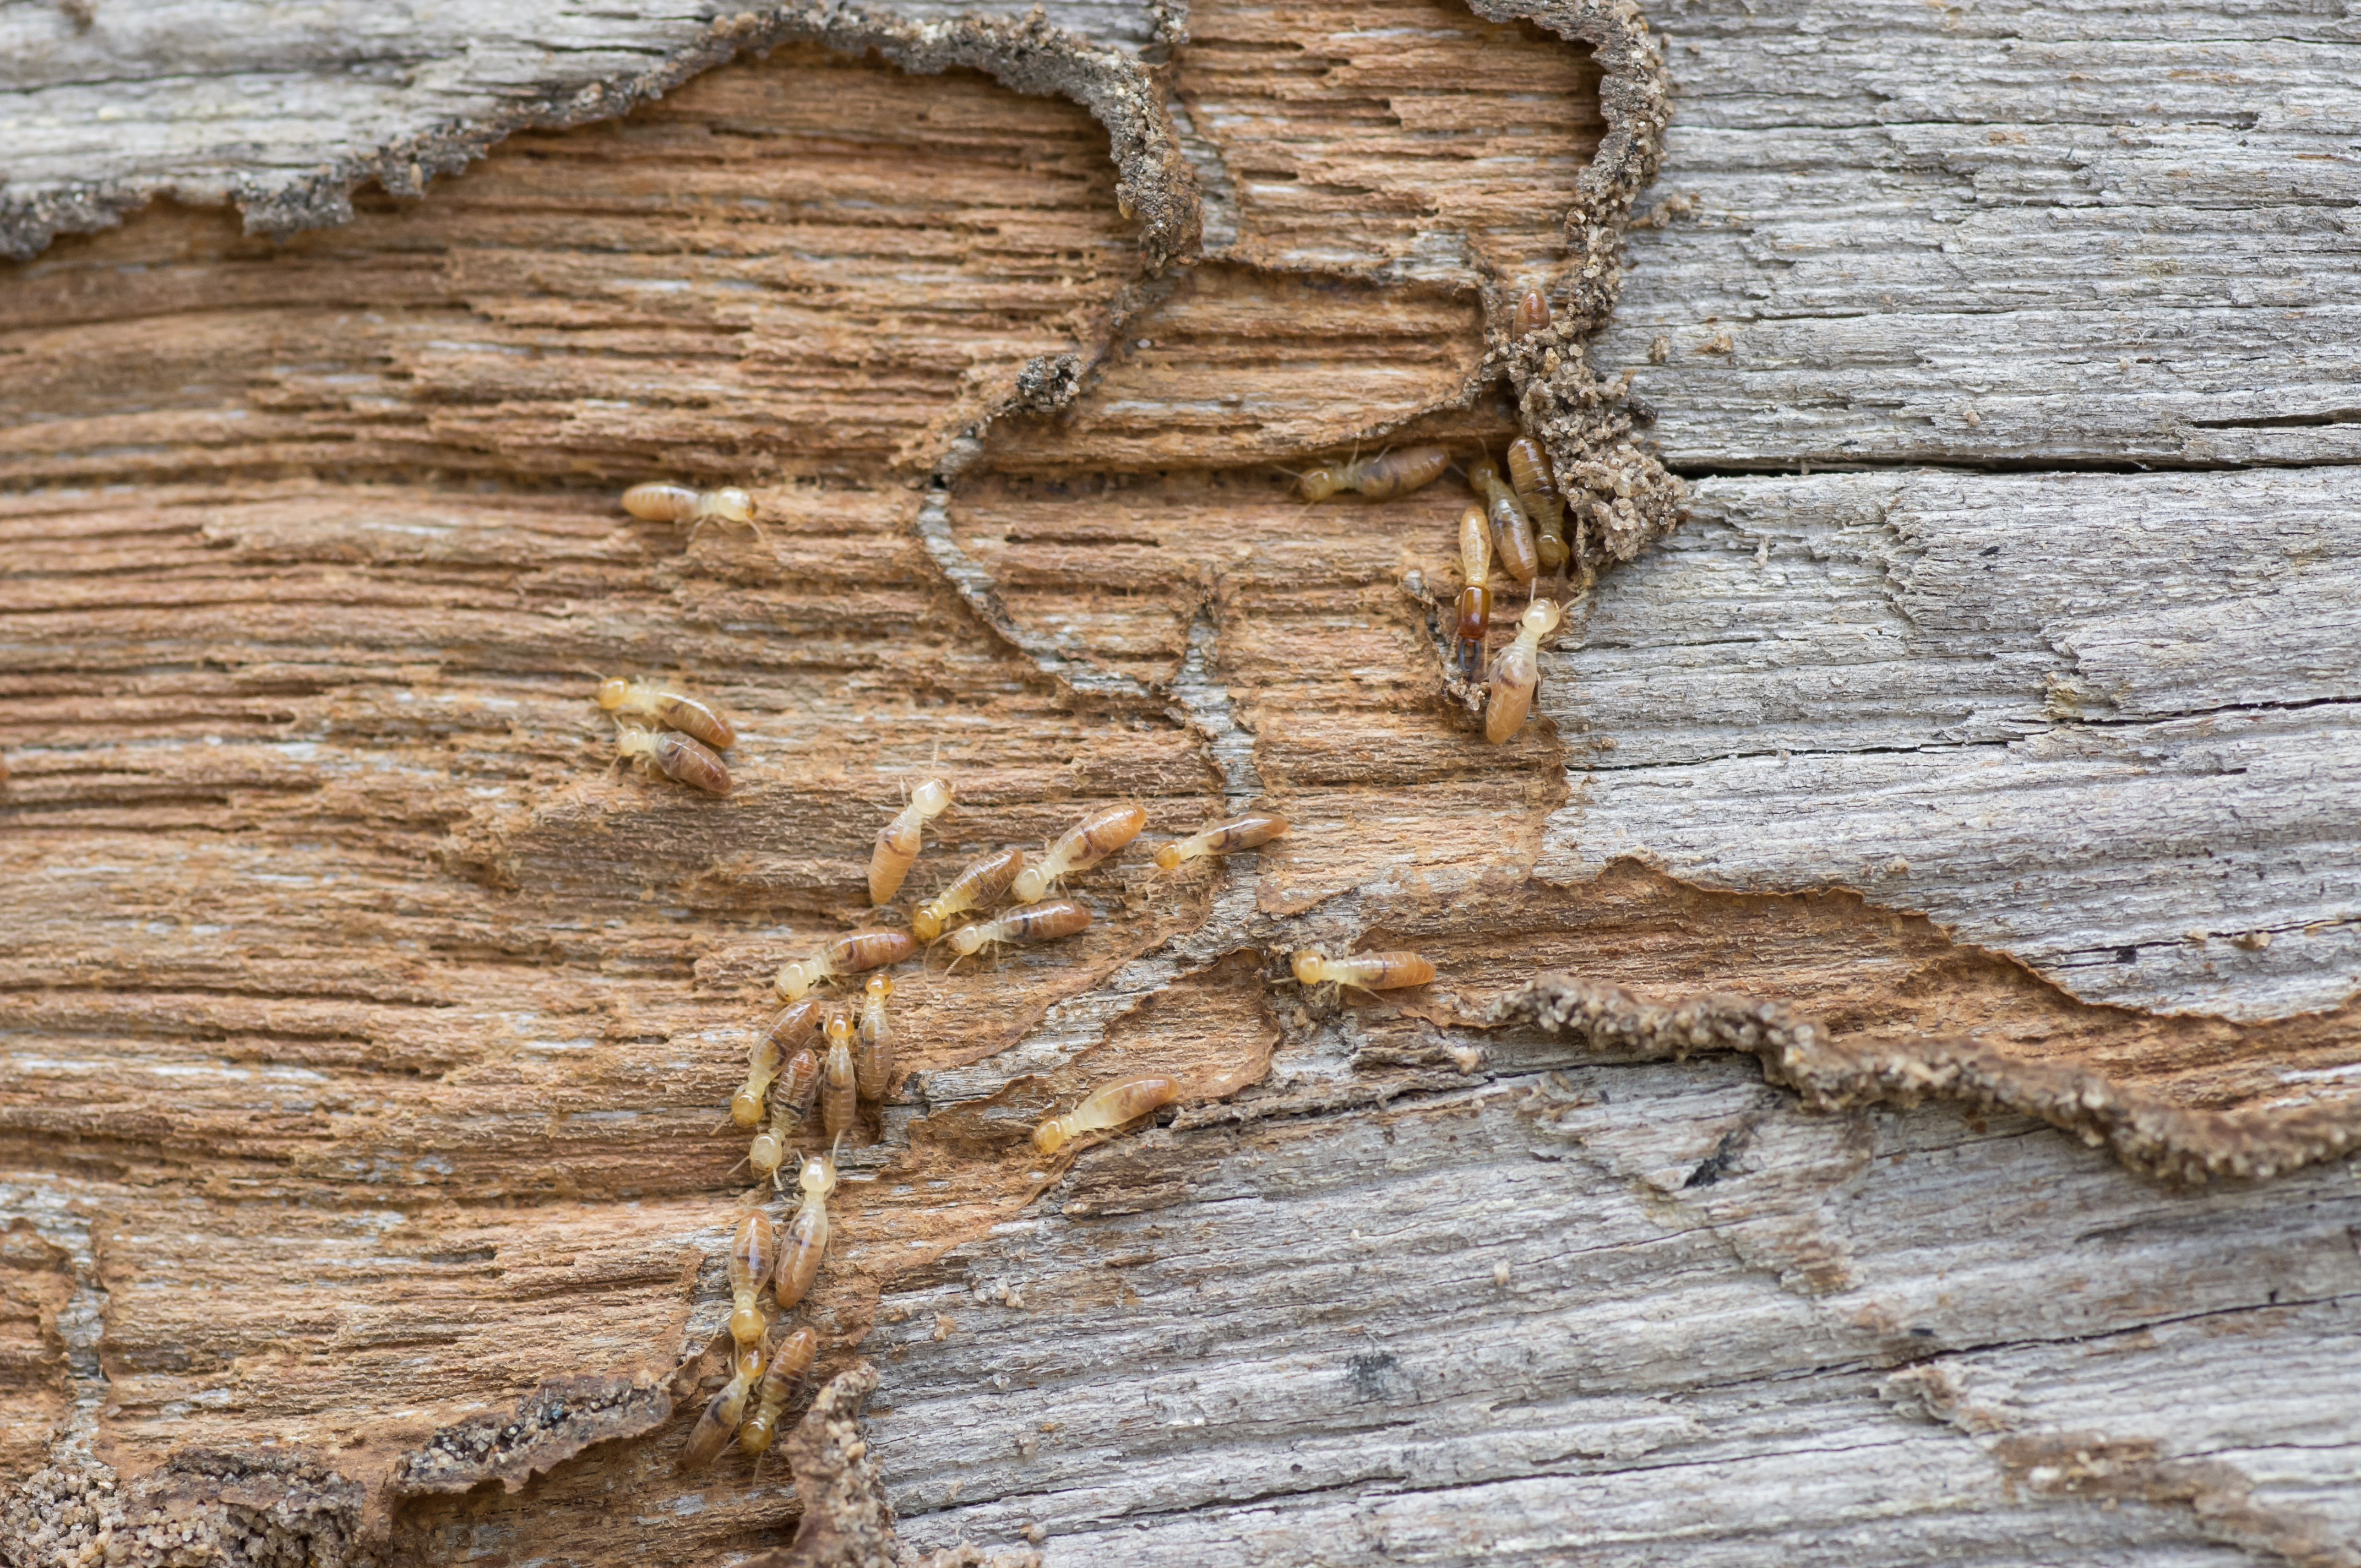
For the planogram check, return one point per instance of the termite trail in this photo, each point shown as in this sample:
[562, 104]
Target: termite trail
[1390, 473]
[676, 756]
[1363, 972]
[721, 1417]
[1518, 671]
[872, 1062]
[646, 699]
[1026, 924]
[1512, 530]
[1475, 606]
[1536, 487]
[979, 886]
[1110, 1105]
[1083, 845]
[807, 1238]
[1249, 831]
[898, 840]
[845, 956]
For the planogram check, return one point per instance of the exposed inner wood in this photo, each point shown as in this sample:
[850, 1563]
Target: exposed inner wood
[368, 1042]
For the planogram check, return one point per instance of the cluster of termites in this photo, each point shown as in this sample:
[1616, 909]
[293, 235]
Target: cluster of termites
[1521, 522]
[821, 1065]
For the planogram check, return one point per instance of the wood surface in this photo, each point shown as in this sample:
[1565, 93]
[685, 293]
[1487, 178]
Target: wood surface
[367, 1040]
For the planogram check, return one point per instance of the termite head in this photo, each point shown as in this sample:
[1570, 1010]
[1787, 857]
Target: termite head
[1308, 965]
[610, 693]
[732, 505]
[765, 1153]
[1168, 858]
[1051, 1135]
[1032, 885]
[746, 1322]
[927, 924]
[880, 988]
[1318, 484]
[818, 1178]
[745, 1107]
[1541, 619]
[932, 797]
[840, 1030]
[796, 979]
[968, 940]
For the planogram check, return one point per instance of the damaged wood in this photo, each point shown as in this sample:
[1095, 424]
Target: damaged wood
[368, 1043]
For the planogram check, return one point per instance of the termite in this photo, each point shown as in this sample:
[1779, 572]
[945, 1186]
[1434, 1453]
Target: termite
[720, 1418]
[1083, 845]
[1512, 530]
[1256, 827]
[681, 504]
[807, 1237]
[768, 1054]
[791, 1103]
[1530, 476]
[873, 1063]
[839, 1082]
[1474, 605]
[1382, 478]
[1025, 923]
[979, 886]
[1532, 312]
[673, 754]
[1109, 1106]
[644, 700]
[1363, 972]
[1517, 670]
[844, 956]
[751, 1258]
[785, 1381]
[897, 841]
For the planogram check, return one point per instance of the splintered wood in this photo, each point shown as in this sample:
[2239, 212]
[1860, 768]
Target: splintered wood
[382, 1064]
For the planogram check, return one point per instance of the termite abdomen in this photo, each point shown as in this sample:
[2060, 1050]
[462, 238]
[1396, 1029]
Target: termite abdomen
[1512, 530]
[1026, 924]
[676, 755]
[1109, 1106]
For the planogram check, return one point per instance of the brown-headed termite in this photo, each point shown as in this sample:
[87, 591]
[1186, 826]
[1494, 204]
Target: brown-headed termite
[1025, 923]
[646, 699]
[1512, 529]
[1083, 845]
[1362, 972]
[873, 1060]
[981, 886]
[898, 840]
[721, 1416]
[1109, 1106]
[676, 756]
[1395, 472]
[846, 954]
[1475, 606]
[1517, 670]
[786, 1377]
[751, 1254]
[790, 1027]
[840, 1083]
[807, 1237]
[1536, 486]
[682, 504]
[1246, 832]
[791, 1106]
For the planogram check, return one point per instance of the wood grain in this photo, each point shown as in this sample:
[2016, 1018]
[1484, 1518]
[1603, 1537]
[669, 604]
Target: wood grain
[366, 1043]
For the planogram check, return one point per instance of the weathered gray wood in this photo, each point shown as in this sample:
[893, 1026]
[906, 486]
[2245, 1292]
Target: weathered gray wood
[2108, 724]
[1641, 1313]
[283, 109]
[2008, 232]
